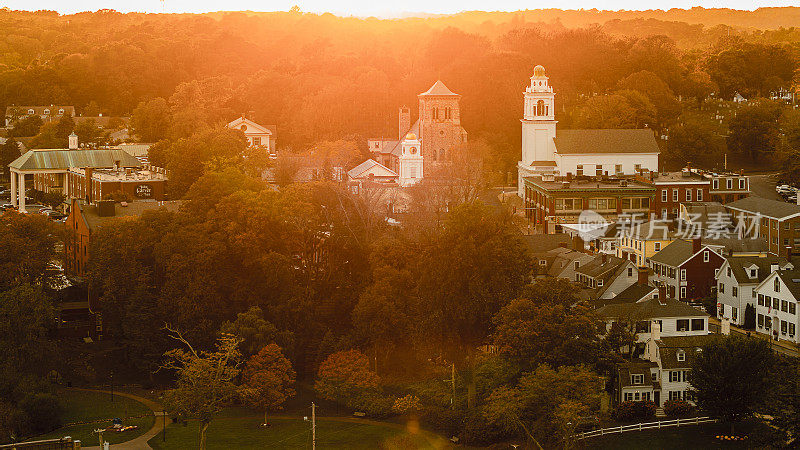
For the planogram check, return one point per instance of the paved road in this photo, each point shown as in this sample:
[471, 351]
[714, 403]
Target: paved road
[764, 186]
[782, 347]
[141, 441]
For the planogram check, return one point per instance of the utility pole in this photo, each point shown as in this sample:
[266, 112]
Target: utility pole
[453, 375]
[313, 426]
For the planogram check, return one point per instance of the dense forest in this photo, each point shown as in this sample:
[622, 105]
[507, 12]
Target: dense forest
[326, 78]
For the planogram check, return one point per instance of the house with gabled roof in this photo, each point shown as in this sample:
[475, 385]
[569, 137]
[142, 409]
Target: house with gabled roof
[261, 136]
[687, 268]
[777, 221]
[673, 357]
[605, 275]
[374, 171]
[737, 280]
[674, 318]
[777, 302]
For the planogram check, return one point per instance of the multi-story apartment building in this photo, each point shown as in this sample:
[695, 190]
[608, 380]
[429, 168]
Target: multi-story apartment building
[728, 187]
[675, 188]
[639, 242]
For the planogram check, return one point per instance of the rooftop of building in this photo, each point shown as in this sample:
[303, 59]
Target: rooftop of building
[440, 90]
[123, 175]
[540, 243]
[690, 346]
[63, 159]
[91, 212]
[683, 176]
[589, 184]
[740, 266]
[649, 309]
[606, 141]
[773, 209]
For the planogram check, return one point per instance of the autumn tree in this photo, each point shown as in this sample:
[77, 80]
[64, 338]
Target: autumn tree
[606, 111]
[150, 120]
[546, 404]
[268, 378]
[254, 331]
[26, 317]
[731, 377]
[28, 247]
[344, 376]
[9, 151]
[205, 380]
[697, 139]
[754, 130]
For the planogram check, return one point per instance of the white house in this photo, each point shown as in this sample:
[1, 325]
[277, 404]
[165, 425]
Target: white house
[546, 152]
[674, 317]
[373, 171]
[737, 280]
[257, 135]
[672, 358]
[776, 305]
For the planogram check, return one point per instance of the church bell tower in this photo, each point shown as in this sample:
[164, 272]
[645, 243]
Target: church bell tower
[538, 126]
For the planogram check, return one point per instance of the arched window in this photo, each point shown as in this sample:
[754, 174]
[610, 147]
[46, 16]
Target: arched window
[442, 154]
[31, 111]
[448, 113]
[540, 108]
[433, 155]
[435, 113]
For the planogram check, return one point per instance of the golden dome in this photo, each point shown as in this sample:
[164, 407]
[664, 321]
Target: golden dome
[538, 71]
[411, 136]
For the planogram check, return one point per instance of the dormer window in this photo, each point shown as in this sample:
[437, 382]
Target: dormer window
[31, 111]
[681, 356]
[753, 272]
[46, 112]
[61, 111]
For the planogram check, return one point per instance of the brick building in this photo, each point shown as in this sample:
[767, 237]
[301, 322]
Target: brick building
[674, 188]
[778, 222]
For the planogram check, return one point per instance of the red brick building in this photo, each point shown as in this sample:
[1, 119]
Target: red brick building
[674, 188]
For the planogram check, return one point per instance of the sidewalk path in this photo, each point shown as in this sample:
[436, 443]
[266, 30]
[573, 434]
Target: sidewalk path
[141, 441]
[786, 348]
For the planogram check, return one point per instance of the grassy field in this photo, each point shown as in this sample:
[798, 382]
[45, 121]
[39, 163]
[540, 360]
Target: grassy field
[82, 406]
[684, 438]
[285, 433]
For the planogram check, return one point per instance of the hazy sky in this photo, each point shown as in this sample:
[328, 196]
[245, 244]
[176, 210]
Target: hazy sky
[374, 7]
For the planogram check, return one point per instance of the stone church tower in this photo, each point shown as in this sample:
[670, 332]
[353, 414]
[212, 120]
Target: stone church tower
[439, 122]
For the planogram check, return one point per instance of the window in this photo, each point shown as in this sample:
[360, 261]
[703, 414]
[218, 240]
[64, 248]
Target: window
[630, 271]
[760, 321]
[256, 141]
[784, 306]
[705, 256]
[637, 378]
[598, 170]
[435, 112]
[540, 108]
[777, 284]
[46, 112]
[688, 195]
[657, 246]
[767, 322]
[664, 195]
[699, 195]
[742, 184]
[448, 113]
[637, 167]
[682, 324]
[729, 183]
[734, 313]
[61, 111]
[674, 195]
[791, 329]
[753, 273]
[618, 168]
[579, 170]
[629, 396]
[577, 265]
[792, 308]
[681, 355]
[683, 274]
[542, 262]
[716, 184]
[776, 303]
[784, 327]
[599, 283]
[683, 291]
[734, 291]
[31, 111]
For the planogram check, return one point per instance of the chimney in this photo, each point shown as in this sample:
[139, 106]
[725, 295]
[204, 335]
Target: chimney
[773, 267]
[643, 276]
[577, 243]
[789, 253]
[655, 330]
[88, 172]
[695, 245]
[73, 141]
[404, 122]
[662, 293]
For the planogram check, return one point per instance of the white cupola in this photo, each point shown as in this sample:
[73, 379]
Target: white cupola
[411, 161]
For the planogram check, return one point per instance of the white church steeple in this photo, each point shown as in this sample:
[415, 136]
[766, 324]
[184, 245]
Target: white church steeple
[538, 128]
[410, 161]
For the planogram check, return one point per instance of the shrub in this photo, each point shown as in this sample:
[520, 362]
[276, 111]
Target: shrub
[443, 420]
[405, 404]
[43, 411]
[677, 408]
[479, 431]
[626, 411]
[372, 404]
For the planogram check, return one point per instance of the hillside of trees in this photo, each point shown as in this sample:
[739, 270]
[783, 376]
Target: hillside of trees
[326, 78]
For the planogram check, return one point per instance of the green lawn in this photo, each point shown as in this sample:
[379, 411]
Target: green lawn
[230, 431]
[683, 438]
[82, 406]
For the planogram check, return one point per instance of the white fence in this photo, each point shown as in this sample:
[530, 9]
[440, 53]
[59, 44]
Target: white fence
[646, 426]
